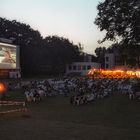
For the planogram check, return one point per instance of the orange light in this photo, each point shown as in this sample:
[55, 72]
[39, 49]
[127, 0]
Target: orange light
[138, 73]
[2, 88]
[116, 73]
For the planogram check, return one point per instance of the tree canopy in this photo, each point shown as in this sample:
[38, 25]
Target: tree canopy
[100, 54]
[38, 55]
[120, 18]
[121, 21]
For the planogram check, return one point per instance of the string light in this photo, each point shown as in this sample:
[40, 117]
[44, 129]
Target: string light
[116, 73]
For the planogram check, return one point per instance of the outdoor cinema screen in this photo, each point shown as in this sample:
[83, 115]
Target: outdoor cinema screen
[7, 56]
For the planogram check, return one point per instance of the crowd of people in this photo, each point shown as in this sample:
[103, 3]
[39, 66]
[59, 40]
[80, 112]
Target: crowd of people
[81, 90]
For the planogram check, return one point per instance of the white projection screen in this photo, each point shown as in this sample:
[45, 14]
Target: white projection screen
[8, 56]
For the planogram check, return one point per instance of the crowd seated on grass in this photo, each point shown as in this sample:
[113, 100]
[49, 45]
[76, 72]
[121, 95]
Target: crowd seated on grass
[81, 90]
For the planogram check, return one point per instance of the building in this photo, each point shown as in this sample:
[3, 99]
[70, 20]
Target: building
[81, 68]
[113, 60]
[109, 60]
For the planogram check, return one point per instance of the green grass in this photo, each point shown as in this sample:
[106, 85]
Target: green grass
[113, 118]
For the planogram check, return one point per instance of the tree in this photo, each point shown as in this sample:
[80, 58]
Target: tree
[100, 53]
[28, 39]
[38, 55]
[61, 52]
[120, 19]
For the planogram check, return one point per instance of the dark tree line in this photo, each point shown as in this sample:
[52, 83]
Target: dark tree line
[121, 20]
[100, 55]
[39, 55]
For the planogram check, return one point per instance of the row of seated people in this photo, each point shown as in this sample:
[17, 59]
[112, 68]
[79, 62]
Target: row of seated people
[84, 89]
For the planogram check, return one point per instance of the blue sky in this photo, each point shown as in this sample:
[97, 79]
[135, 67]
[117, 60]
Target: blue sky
[73, 19]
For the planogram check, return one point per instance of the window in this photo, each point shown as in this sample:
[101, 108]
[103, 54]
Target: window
[107, 59]
[88, 67]
[107, 65]
[70, 68]
[84, 67]
[74, 67]
[79, 67]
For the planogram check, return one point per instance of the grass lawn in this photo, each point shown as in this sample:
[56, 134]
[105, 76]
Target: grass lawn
[113, 118]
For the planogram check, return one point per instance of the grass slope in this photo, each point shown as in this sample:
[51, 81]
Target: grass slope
[113, 118]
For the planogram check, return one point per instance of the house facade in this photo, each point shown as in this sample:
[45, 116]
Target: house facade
[81, 68]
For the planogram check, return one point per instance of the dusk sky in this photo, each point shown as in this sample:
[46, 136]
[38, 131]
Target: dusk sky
[73, 19]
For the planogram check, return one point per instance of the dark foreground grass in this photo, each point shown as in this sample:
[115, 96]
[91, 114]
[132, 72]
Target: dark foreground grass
[113, 118]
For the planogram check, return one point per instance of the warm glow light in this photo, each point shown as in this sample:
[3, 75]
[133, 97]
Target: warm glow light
[138, 73]
[2, 87]
[119, 73]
